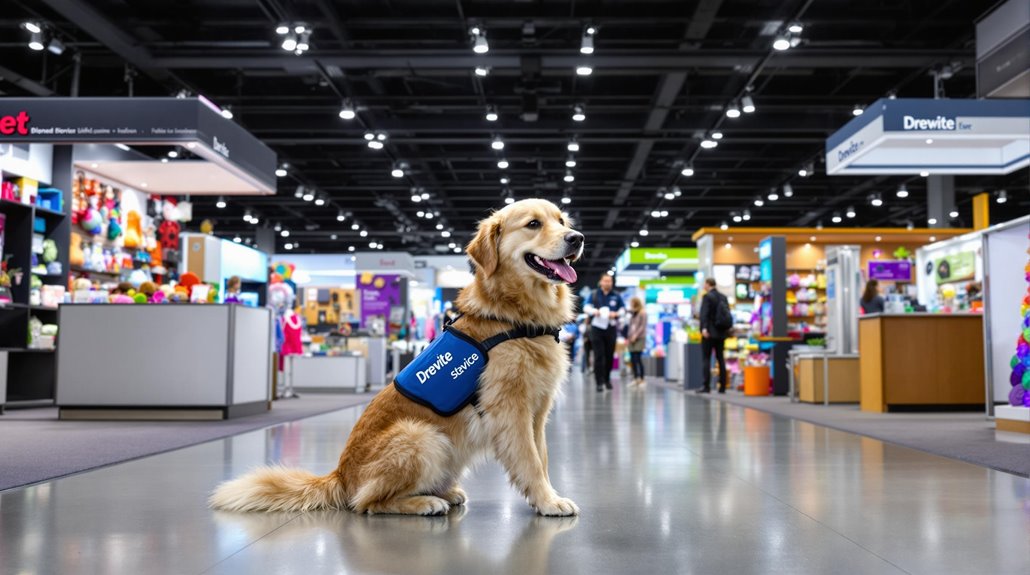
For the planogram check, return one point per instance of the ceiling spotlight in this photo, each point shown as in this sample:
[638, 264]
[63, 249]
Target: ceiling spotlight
[724, 226]
[308, 195]
[289, 42]
[737, 219]
[708, 144]
[850, 212]
[687, 171]
[733, 110]
[420, 213]
[902, 191]
[586, 45]
[479, 43]
[347, 111]
[445, 234]
[570, 162]
[247, 215]
[300, 28]
[747, 104]
[1003, 197]
[663, 214]
[569, 177]
[425, 195]
[676, 191]
[836, 218]
[819, 225]
[716, 135]
[277, 227]
[341, 216]
[363, 233]
[173, 154]
[656, 214]
[227, 112]
[399, 170]
[806, 170]
[565, 199]
[299, 193]
[497, 144]
[505, 179]
[795, 28]
[482, 71]
[416, 198]
[781, 43]
[578, 115]
[953, 214]
[509, 200]
[254, 219]
[370, 136]
[288, 246]
[584, 70]
[491, 114]
[36, 41]
[668, 195]
[457, 250]
[373, 245]
[876, 200]
[634, 244]
[502, 164]
[857, 110]
[237, 239]
[33, 27]
[932, 221]
[320, 200]
[220, 204]
[439, 226]
[773, 196]
[644, 232]
[746, 215]
[759, 201]
[788, 190]
[282, 29]
[280, 172]
[924, 174]
[929, 140]
[573, 145]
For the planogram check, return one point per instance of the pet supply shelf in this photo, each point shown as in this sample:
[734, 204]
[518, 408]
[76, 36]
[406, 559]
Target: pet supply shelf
[222, 369]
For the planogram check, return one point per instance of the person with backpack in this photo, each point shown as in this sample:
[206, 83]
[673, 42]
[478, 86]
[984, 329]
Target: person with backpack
[716, 323]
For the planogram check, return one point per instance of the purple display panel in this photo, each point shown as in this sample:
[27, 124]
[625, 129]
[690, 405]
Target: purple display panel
[894, 271]
[379, 293]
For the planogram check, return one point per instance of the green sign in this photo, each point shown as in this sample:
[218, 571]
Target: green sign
[955, 267]
[668, 281]
[651, 258]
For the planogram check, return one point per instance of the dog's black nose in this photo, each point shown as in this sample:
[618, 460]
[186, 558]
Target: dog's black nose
[574, 239]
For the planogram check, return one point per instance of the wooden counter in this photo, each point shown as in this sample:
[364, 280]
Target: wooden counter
[843, 378]
[920, 359]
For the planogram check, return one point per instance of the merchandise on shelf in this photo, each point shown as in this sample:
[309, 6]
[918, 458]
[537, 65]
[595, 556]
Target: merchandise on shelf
[1020, 363]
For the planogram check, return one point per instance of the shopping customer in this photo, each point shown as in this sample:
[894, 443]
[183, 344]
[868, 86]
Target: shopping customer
[872, 301]
[637, 338]
[716, 322]
[604, 306]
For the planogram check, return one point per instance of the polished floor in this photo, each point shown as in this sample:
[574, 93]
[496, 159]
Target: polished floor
[667, 483]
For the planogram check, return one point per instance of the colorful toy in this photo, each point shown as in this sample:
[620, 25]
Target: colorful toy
[122, 298]
[1020, 362]
[49, 250]
[133, 231]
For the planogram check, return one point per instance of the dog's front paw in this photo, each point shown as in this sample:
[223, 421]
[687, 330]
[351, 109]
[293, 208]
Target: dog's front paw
[557, 507]
[455, 496]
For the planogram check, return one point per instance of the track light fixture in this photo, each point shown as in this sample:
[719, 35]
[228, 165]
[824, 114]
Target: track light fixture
[355, 226]
[953, 214]
[578, 113]
[584, 70]
[1003, 197]
[281, 171]
[644, 232]
[806, 170]
[569, 177]
[724, 226]
[857, 110]
[220, 204]
[716, 135]
[347, 111]
[759, 202]
[747, 104]
[746, 216]
[634, 244]
[570, 161]
[850, 213]
[363, 233]
[479, 43]
[876, 200]
[497, 143]
[299, 192]
[573, 145]
[309, 195]
[736, 218]
[32, 27]
[795, 28]
[586, 45]
[733, 110]
[709, 143]
[902, 191]
[36, 41]
[773, 195]
[502, 164]
[320, 200]
[505, 180]
[788, 190]
[227, 112]
[687, 171]
[781, 43]
[285, 233]
[836, 218]
[566, 199]
[399, 169]
[491, 114]
[482, 71]
[667, 194]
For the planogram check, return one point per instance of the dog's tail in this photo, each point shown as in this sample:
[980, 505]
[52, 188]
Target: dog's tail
[279, 488]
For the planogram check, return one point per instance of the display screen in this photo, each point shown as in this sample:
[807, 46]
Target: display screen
[896, 271]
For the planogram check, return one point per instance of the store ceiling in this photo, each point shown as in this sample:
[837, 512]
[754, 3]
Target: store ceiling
[663, 74]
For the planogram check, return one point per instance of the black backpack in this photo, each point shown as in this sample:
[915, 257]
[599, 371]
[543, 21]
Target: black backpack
[723, 317]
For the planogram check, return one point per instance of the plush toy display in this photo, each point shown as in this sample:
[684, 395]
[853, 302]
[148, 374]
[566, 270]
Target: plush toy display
[1020, 362]
[92, 222]
[187, 281]
[76, 256]
[133, 231]
[207, 227]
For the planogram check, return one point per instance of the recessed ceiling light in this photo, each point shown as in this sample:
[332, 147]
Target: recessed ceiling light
[857, 110]
[781, 43]
[573, 145]
[708, 144]
[482, 71]
[502, 164]
[584, 70]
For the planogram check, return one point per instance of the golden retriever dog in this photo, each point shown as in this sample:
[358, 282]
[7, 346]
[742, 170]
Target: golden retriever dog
[402, 457]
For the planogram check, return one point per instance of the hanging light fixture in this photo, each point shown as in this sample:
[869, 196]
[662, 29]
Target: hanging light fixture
[836, 218]
[497, 143]
[788, 190]
[479, 43]
[759, 202]
[736, 218]
[566, 199]
[502, 164]
[220, 204]
[644, 232]
[781, 43]
[584, 70]
[1003, 197]
[573, 145]
[687, 171]
[309, 194]
[876, 200]
[586, 45]
[709, 143]
[399, 169]
[491, 114]
[341, 216]
[289, 42]
[505, 180]
[850, 213]
[716, 135]
[724, 226]
[569, 177]
[482, 71]
[746, 215]
[578, 113]
[347, 111]
[773, 195]
[902, 191]
[857, 110]
[733, 110]
[570, 162]
[281, 171]
[285, 233]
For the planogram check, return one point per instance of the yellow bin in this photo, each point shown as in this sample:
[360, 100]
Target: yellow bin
[756, 380]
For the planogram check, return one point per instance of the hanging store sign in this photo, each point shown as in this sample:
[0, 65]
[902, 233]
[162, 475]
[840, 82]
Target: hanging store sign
[189, 122]
[651, 259]
[891, 270]
[913, 136]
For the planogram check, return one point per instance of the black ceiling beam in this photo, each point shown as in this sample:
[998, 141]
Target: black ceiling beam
[30, 86]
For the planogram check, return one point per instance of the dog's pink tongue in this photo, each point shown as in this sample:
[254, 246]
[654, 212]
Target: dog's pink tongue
[563, 270]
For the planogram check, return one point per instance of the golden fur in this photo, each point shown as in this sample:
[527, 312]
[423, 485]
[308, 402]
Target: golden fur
[403, 458]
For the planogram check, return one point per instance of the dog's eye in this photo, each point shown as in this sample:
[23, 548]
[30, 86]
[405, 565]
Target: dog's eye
[533, 224]
[561, 221]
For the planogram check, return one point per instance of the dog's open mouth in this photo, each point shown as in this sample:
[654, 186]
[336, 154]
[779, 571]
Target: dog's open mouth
[553, 269]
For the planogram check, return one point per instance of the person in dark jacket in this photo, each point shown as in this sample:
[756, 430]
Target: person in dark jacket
[872, 301]
[712, 338]
[602, 339]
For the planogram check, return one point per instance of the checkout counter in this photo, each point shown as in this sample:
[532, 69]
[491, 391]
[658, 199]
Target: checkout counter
[921, 359]
[163, 361]
[352, 364]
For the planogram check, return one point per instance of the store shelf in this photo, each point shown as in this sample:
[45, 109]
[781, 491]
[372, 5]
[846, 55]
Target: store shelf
[81, 270]
[13, 306]
[41, 211]
[42, 308]
[7, 206]
[26, 350]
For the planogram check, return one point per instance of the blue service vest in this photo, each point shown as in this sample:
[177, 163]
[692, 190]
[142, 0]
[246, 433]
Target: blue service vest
[445, 376]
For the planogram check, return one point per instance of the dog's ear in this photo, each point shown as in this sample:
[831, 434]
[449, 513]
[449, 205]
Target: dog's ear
[483, 248]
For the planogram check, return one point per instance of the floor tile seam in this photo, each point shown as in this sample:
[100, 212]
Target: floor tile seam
[248, 545]
[760, 488]
[841, 430]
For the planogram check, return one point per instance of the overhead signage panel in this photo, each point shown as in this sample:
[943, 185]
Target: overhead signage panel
[651, 259]
[937, 136]
[188, 122]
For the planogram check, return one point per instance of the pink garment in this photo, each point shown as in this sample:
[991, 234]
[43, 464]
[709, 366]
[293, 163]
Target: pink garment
[291, 335]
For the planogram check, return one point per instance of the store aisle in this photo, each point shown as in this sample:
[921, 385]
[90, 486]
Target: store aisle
[668, 483]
